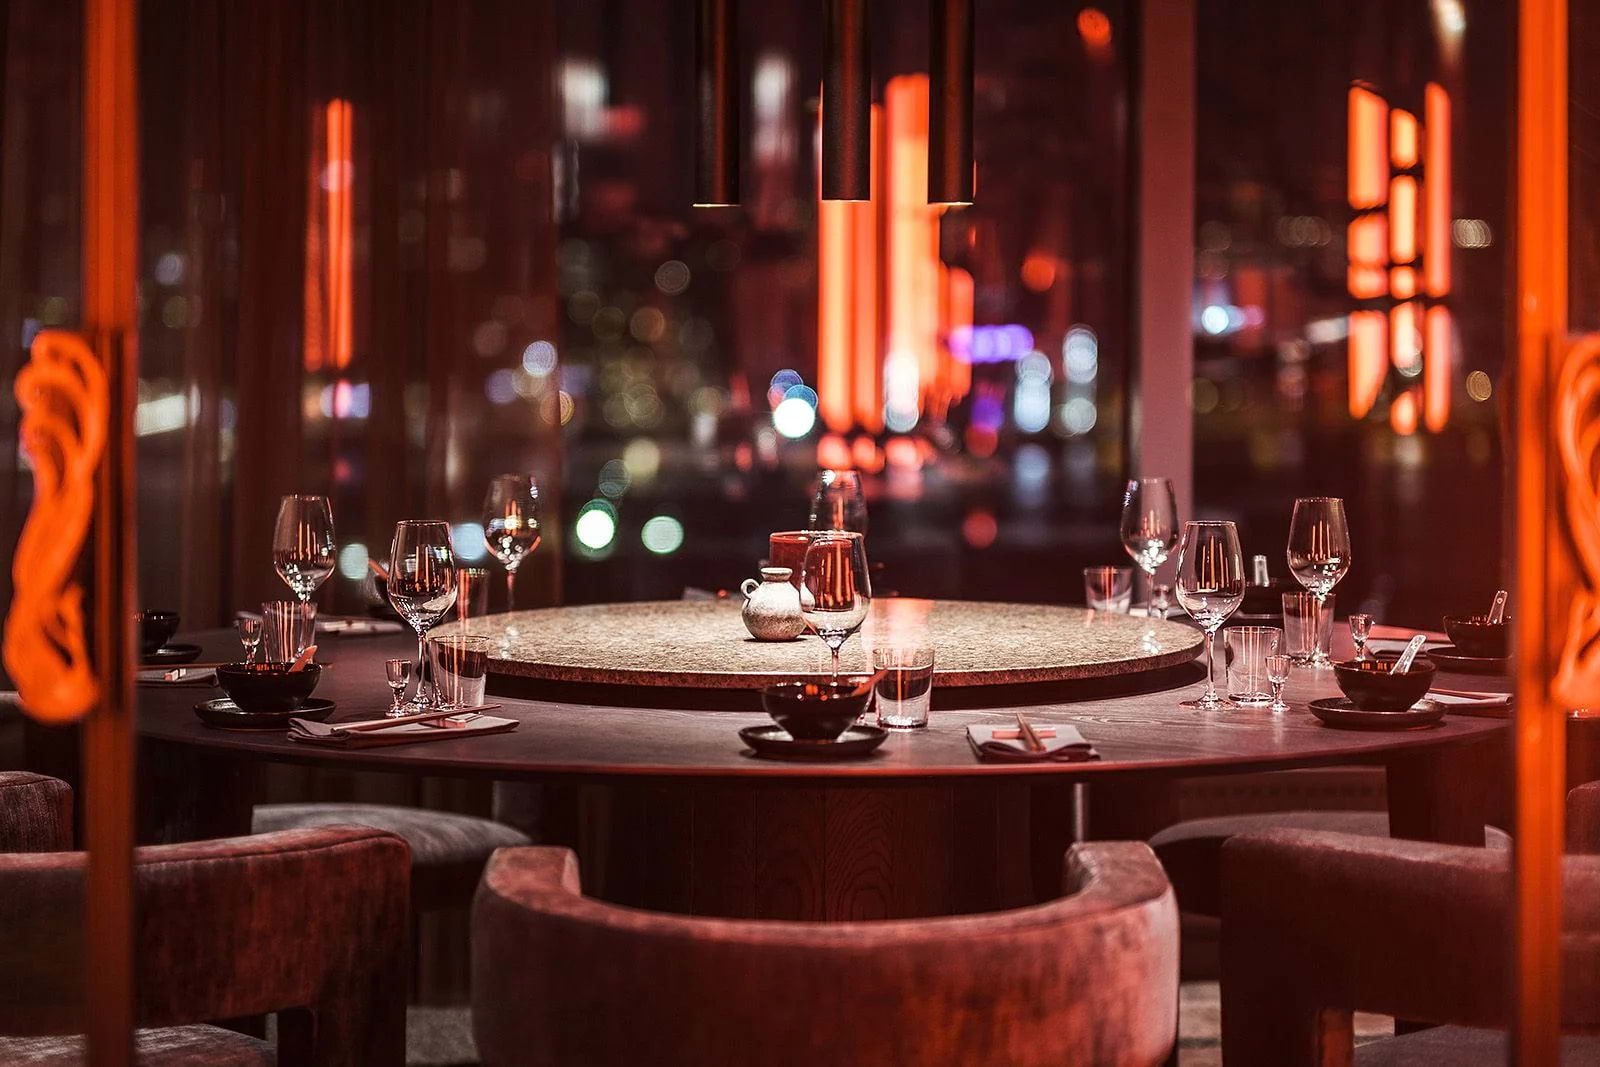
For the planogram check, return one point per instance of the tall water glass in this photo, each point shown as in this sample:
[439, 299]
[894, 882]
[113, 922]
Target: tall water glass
[511, 524]
[1210, 588]
[472, 592]
[1246, 649]
[1308, 628]
[835, 591]
[288, 627]
[422, 583]
[1319, 549]
[1149, 523]
[904, 686]
[302, 543]
[839, 502]
[460, 669]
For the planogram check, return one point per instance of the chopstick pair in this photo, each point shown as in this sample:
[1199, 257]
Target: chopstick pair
[374, 725]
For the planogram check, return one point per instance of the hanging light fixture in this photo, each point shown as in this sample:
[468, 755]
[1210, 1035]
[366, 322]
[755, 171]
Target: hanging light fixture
[716, 88]
[847, 104]
[950, 169]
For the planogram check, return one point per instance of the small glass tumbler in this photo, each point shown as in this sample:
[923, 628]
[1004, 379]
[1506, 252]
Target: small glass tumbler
[1160, 601]
[1108, 589]
[904, 688]
[1360, 629]
[1307, 628]
[1277, 677]
[472, 592]
[287, 628]
[1246, 649]
[460, 669]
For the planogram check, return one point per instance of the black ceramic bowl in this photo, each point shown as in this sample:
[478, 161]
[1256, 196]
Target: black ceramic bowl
[815, 711]
[1475, 635]
[155, 629]
[267, 686]
[1371, 687]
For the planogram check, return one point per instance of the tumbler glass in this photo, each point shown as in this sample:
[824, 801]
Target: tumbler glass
[904, 687]
[1108, 589]
[1246, 650]
[287, 627]
[460, 669]
[1308, 627]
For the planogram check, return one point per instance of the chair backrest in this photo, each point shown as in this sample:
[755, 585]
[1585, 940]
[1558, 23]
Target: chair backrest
[308, 923]
[35, 813]
[1091, 978]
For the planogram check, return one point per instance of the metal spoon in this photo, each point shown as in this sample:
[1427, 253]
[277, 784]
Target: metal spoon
[1403, 664]
[1497, 612]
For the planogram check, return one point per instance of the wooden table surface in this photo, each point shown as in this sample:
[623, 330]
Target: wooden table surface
[1137, 733]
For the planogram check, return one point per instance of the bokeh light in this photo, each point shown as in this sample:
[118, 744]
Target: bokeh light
[662, 534]
[794, 418]
[469, 542]
[353, 561]
[596, 526]
[539, 358]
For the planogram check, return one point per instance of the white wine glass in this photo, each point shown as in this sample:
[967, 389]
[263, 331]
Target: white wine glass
[422, 584]
[839, 502]
[1319, 551]
[1149, 524]
[302, 543]
[1210, 588]
[511, 524]
[835, 591]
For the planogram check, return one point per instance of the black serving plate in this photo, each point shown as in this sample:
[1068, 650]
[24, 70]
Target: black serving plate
[226, 715]
[1343, 713]
[1449, 658]
[170, 656]
[774, 742]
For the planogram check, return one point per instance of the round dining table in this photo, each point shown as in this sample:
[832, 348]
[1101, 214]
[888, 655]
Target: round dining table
[669, 809]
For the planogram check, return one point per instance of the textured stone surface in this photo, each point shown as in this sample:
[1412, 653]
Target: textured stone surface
[704, 644]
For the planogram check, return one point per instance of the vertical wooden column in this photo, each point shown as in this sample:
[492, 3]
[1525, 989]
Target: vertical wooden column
[1542, 565]
[110, 245]
[1162, 425]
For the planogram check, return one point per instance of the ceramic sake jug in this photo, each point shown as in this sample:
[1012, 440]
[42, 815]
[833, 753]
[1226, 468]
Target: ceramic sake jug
[772, 606]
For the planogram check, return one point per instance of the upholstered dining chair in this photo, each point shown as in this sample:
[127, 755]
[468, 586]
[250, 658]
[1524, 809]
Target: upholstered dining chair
[1090, 978]
[306, 924]
[1317, 925]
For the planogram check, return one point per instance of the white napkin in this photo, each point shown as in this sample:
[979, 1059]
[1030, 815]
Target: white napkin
[1066, 746]
[357, 626]
[1456, 699]
[178, 676]
[340, 735]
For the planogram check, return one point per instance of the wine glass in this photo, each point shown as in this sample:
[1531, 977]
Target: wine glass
[1149, 523]
[249, 630]
[835, 591]
[511, 524]
[1210, 588]
[1319, 550]
[302, 543]
[1360, 630]
[839, 503]
[1277, 677]
[422, 583]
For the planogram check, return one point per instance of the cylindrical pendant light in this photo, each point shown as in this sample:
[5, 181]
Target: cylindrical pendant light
[847, 104]
[950, 102]
[716, 89]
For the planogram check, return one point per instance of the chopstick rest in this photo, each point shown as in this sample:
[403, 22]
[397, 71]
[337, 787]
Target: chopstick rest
[1062, 744]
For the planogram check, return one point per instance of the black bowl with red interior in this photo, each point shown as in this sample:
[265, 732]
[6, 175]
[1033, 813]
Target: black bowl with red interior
[1475, 635]
[816, 711]
[1370, 686]
[268, 686]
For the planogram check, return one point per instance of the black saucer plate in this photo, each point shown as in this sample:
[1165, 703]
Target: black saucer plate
[1342, 712]
[226, 715]
[171, 656]
[1448, 658]
[774, 742]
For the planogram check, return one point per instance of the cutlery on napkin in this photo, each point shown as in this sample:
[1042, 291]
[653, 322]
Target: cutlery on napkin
[1461, 700]
[178, 676]
[1060, 743]
[402, 730]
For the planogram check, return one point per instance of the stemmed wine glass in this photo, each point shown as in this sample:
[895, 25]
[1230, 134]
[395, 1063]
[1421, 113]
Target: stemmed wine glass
[1319, 552]
[302, 543]
[839, 503]
[1149, 524]
[1210, 588]
[511, 524]
[835, 591]
[422, 583]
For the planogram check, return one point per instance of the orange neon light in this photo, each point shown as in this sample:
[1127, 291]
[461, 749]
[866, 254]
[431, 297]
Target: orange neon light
[1403, 219]
[866, 354]
[1365, 243]
[1436, 193]
[1402, 283]
[1403, 335]
[835, 279]
[1368, 163]
[1403, 414]
[1368, 359]
[1436, 364]
[912, 260]
[1402, 139]
[960, 293]
[329, 330]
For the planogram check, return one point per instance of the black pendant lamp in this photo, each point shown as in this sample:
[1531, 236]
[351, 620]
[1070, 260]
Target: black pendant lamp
[950, 170]
[716, 88]
[847, 103]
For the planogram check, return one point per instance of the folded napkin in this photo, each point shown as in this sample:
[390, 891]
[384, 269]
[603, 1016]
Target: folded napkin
[348, 734]
[1004, 744]
[1468, 702]
[178, 676]
[357, 626]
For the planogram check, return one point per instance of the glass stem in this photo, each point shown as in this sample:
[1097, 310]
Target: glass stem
[835, 650]
[511, 589]
[1211, 665]
[422, 651]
